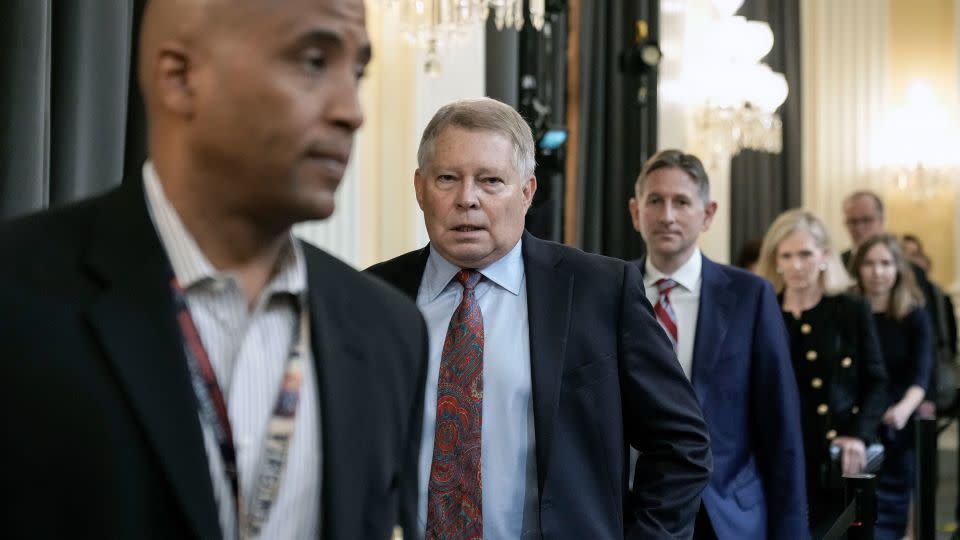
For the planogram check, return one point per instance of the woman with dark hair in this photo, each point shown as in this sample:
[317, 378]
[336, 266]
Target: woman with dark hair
[885, 279]
[836, 357]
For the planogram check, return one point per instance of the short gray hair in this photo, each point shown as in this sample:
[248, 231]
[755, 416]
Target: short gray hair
[687, 163]
[483, 114]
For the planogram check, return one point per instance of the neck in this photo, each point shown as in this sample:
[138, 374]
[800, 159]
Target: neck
[232, 241]
[669, 264]
[879, 302]
[797, 301]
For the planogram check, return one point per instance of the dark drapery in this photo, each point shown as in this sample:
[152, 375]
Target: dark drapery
[617, 131]
[527, 70]
[764, 185]
[65, 122]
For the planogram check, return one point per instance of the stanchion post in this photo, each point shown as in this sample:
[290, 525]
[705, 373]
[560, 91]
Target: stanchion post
[861, 488]
[925, 493]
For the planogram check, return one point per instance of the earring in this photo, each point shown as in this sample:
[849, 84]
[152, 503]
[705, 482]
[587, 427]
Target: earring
[822, 267]
[779, 270]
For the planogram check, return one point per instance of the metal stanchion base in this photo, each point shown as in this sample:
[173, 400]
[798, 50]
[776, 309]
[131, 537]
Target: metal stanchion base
[857, 520]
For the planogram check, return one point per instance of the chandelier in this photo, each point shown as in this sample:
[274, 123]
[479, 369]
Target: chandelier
[738, 95]
[916, 143]
[436, 25]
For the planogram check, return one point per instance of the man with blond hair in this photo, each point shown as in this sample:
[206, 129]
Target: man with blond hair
[546, 363]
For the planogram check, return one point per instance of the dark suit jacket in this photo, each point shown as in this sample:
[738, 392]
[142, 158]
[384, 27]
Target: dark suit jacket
[944, 342]
[744, 380]
[99, 422]
[604, 377]
[842, 384]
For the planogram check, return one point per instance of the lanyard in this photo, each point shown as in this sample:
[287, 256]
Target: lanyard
[213, 409]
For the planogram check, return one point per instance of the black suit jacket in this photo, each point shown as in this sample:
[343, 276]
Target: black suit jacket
[604, 377]
[100, 431]
[940, 320]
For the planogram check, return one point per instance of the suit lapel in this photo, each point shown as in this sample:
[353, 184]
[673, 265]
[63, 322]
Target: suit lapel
[342, 408]
[716, 303]
[409, 271]
[134, 320]
[549, 295]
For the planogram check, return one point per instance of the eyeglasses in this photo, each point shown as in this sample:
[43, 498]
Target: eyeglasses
[865, 220]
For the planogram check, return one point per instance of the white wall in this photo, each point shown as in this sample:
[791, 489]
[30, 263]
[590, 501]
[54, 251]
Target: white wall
[844, 60]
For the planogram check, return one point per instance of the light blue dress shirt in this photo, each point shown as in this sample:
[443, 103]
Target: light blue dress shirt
[507, 449]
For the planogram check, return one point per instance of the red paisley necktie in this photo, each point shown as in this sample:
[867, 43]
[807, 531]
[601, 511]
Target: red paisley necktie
[454, 499]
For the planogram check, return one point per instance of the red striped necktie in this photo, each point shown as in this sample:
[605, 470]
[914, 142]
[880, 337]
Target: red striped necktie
[664, 309]
[454, 495]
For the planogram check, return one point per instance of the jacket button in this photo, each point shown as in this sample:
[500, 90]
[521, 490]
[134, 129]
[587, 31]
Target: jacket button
[805, 328]
[855, 409]
[822, 409]
[846, 362]
[811, 355]
[816, 382]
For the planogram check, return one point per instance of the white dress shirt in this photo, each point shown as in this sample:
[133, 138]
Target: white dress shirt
[685, 299]
[248, 351]
[507, 444]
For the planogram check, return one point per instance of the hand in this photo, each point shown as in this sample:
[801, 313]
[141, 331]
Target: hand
[896, 417]
[927, 409]
[853, 454]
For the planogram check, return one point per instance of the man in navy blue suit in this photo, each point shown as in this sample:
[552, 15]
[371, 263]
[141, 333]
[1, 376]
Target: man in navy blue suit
[726, 327]
[546, 363]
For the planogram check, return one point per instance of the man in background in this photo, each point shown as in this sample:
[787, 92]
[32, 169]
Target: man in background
[175, 363]
[727, 329]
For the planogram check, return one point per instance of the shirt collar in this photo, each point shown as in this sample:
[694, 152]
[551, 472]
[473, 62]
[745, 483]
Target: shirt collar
[687, 276]
[506, 272]
[190, 266]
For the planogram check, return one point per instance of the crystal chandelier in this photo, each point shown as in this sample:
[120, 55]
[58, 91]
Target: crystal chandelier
[738, 95]
[435, 25]
[916, 143]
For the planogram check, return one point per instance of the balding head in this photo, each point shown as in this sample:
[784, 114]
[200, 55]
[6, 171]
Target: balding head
[252, 104]
[184, 27]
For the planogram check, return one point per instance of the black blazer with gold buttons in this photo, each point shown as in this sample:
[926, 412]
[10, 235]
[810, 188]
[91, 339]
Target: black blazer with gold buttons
[839, 367]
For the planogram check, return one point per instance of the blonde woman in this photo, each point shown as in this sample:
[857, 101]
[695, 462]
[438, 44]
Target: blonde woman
[835, 354]
[885, 279]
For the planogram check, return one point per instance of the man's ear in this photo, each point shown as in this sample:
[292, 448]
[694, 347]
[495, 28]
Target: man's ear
[418, 187]
[709, 211]
[634, 207]
[529, 188]
[174, 79]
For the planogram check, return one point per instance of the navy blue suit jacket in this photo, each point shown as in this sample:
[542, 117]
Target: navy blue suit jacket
[604, 377]
[743, 377]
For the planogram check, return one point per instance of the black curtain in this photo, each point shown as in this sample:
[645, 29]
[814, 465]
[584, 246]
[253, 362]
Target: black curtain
[618, 124]
[65, 109]
[528, 70]
[764, 185]
[502, 64]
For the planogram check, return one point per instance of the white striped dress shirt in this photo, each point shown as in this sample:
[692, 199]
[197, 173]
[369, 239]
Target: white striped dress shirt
[248, 349]
[685, 299]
